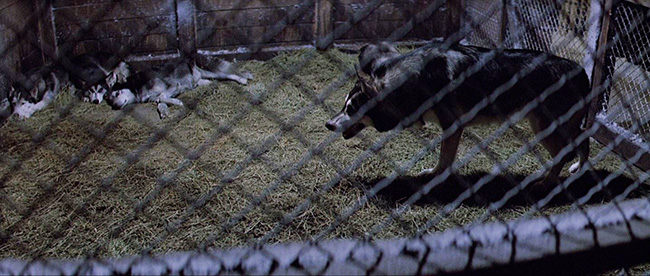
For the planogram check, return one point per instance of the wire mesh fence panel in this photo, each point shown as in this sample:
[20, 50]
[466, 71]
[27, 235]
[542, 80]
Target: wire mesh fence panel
[628, 68]
[489, 32]
[137, 144]
[556, 27]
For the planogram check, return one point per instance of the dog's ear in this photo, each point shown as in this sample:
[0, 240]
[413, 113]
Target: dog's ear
[13, 93]
[111, 79]
[363, 76]
[363, 49]
[366, 53]
[367, 85]
[387, 47]
[40, 86]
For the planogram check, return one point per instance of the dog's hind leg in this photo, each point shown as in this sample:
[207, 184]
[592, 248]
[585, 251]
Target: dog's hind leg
[562, 136]
[223, 76]
[583, 154]
[448, 149]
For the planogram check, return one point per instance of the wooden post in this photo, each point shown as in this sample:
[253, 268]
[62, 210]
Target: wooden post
[324, 24]
[454, 17]
[46, 33]
[598, 65]
[186, 28]
[503, 24]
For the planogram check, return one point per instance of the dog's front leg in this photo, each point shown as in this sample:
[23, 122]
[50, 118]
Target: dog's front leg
[172, 101]
[448, 149]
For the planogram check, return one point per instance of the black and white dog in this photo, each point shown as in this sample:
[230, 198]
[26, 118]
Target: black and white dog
[164, 83]
[93, 74]
[392, 86]
[35, 91]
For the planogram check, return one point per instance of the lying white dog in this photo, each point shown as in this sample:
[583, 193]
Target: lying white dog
[94, 74]
[37, 90]
[163, 84]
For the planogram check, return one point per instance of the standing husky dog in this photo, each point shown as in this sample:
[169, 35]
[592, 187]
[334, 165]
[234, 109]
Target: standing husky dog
[396, 85]
[94, 74]
[163, 84]
[35, 91]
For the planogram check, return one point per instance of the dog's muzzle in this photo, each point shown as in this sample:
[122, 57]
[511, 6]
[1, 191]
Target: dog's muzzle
[341, 123]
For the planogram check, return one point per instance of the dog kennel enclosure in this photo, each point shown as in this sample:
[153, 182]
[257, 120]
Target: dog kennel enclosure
[298, 164]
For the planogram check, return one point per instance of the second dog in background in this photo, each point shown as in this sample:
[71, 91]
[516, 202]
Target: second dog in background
[35, 91]
[162, 84]
[94, 74]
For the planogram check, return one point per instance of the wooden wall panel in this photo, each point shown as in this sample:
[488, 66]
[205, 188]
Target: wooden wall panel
[387, 18]
[245, 36]
[215, 5]
[134, 26]
[19, 42]
[151, 27]
[227, 24]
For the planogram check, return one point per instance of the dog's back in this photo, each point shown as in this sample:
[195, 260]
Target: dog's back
[512, 80]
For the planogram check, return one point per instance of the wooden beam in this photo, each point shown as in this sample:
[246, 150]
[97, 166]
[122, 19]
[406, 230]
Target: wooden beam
[626, 149]
[454, 17]
[46, 31]
[599, 63]
[645, 3]
[323, 24]
[503, 23]
[186, 18]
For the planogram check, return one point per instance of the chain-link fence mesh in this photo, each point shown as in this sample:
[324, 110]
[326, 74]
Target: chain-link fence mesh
[237, 169]
[628, 67]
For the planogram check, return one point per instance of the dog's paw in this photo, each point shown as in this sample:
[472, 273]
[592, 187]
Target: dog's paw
[247, 75]
[574, 167]
[241, 80]
[426, 172]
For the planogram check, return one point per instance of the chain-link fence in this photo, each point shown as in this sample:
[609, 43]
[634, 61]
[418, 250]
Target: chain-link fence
[243, 176]
[628, 67]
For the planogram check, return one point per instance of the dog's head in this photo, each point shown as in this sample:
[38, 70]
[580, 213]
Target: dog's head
[29, 90]
[118, 99]
[92, 87]
[95, 93]
[363, 96]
